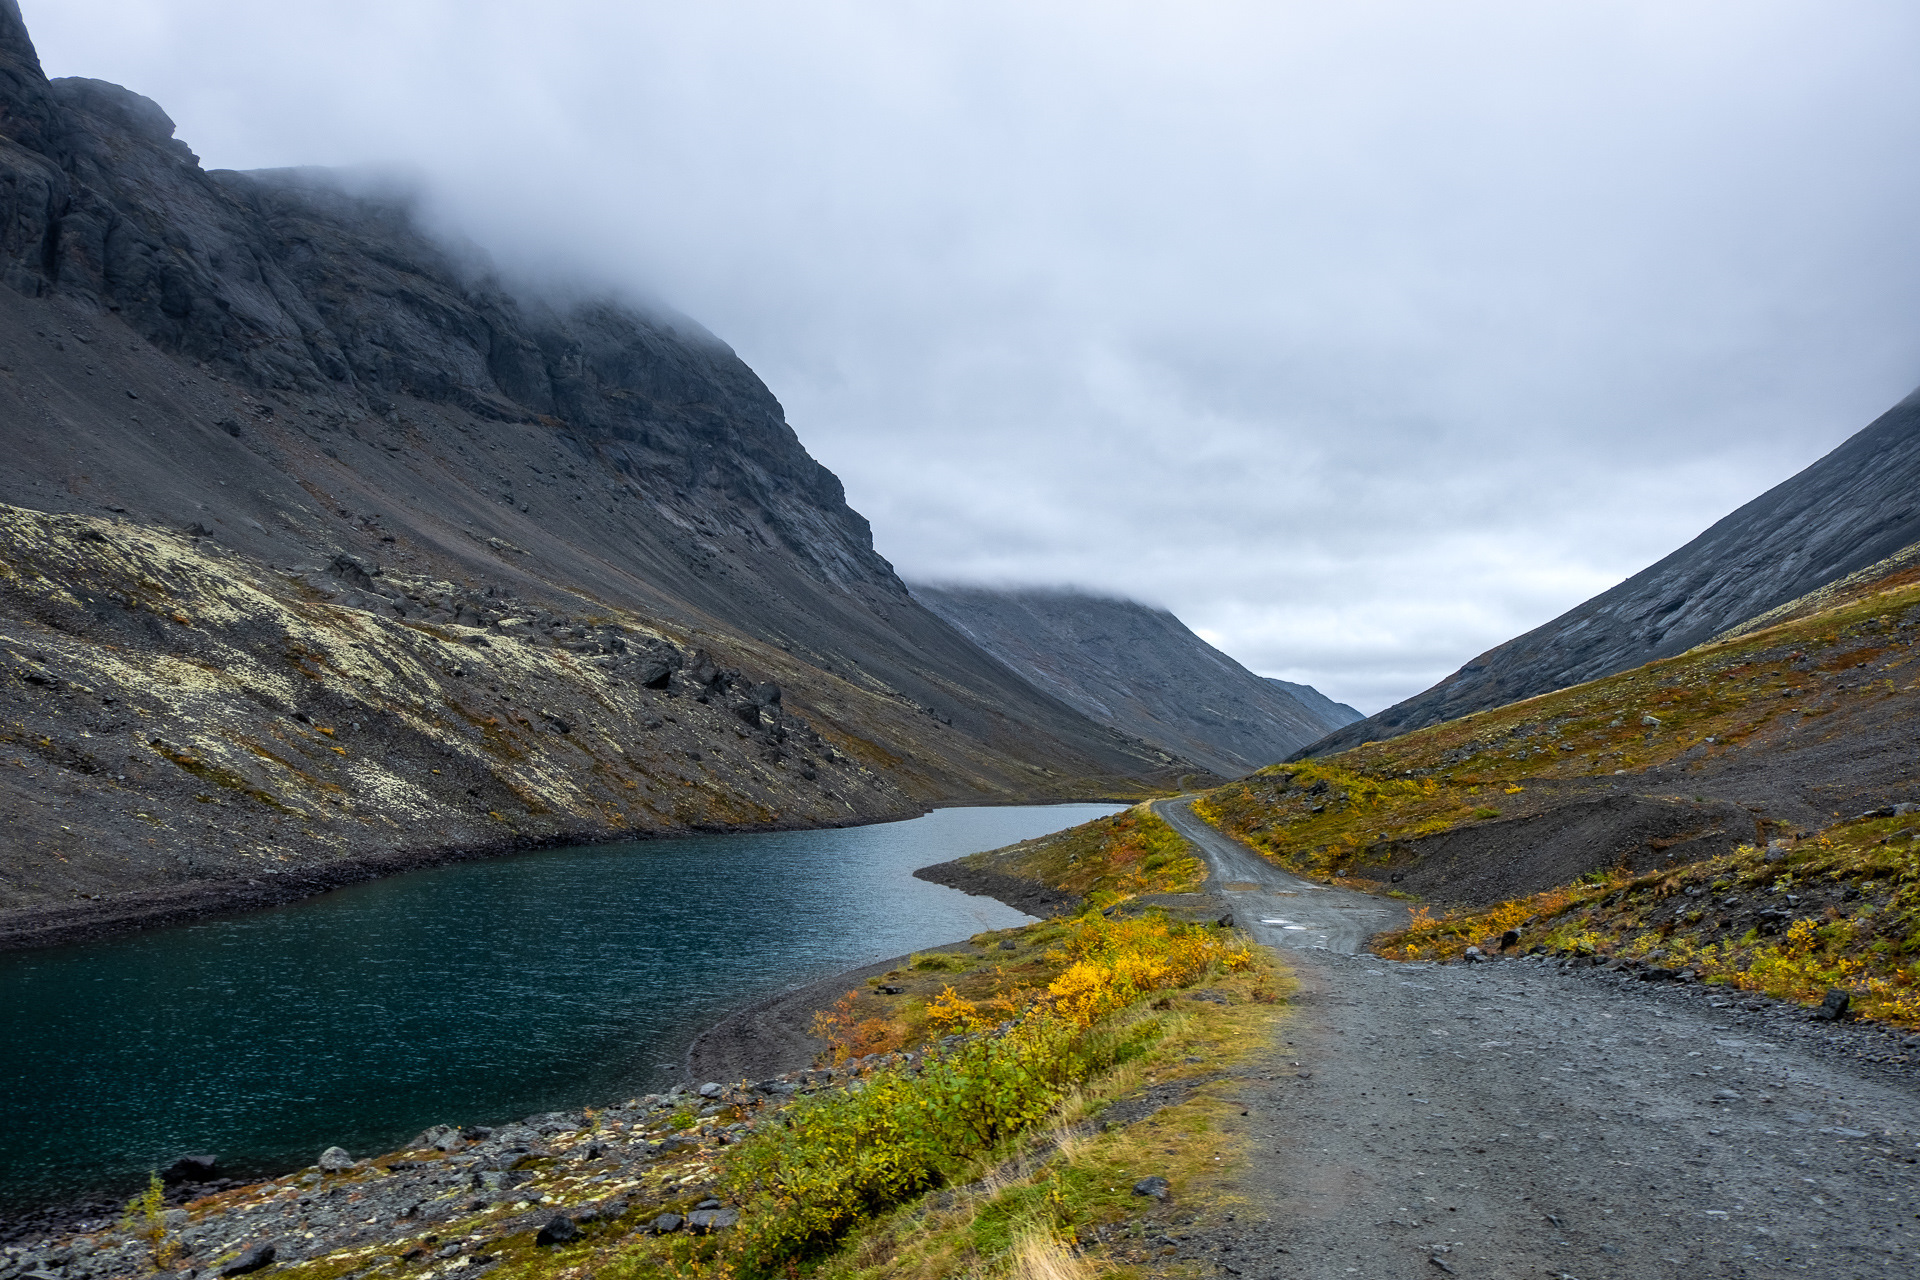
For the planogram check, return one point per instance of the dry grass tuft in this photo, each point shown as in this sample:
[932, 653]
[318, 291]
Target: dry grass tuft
[1037, 1255]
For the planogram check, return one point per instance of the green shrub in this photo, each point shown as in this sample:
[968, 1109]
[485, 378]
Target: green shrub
[844, 1156]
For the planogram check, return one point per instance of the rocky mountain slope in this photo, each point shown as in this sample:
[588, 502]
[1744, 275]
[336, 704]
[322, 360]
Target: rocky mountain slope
[326, 552]
[1140, 670]
[1850, 509]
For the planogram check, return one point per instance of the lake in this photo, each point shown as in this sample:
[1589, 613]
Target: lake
[466, 994]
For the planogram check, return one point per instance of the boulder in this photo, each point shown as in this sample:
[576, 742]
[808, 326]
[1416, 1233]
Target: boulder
[560, 1229]
[712, 1089]
[335, 1160]
[707, 1221]
[666, 1223]
[254, 1259]
[441, 1137]
[1834, 1007]
[200, 1168]
[1155, 1188]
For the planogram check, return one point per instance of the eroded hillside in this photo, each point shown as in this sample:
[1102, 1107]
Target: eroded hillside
[173, 715]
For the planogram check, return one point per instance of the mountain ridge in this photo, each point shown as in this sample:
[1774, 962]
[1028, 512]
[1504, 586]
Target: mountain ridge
[1850, 509]
[1139, 669]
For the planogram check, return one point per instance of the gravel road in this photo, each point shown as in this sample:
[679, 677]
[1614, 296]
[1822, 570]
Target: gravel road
[1521, 1119]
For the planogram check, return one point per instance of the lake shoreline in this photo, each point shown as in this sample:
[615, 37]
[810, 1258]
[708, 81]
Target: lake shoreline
[95, 920]
[770, 1037]
[774, 1035]
[56, 924]
[735, 1026]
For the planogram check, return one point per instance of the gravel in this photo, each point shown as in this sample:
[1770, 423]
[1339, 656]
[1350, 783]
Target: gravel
[1526, 1118]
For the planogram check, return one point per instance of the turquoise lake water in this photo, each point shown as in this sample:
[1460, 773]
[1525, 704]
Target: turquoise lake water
[466, 994]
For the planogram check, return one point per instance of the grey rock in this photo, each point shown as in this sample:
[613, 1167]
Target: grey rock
[559, 1229]
[711, 1089]
[707, 1221]
[1156, 1188]
[666, 1223]
[441, 1137]
[335, 1160]
[257, 1258]
[196, 1168]
[1835, 1006]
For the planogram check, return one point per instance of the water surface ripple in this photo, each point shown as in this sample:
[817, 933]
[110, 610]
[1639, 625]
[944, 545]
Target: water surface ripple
[462, 994]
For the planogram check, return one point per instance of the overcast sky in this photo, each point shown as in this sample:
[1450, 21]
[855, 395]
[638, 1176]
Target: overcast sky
[1363, 336]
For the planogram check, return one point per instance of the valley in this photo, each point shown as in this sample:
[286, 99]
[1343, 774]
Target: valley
[430, 697]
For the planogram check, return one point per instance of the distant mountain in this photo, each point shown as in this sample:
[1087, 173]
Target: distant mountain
[1852, 508]
[1334, 713]
[1140, 670]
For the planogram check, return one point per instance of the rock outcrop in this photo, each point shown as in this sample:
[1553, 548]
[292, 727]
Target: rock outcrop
[1140, 670]
[1858, 505]
[549, 569]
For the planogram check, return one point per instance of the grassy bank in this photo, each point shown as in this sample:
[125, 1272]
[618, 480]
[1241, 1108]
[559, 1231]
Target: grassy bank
[1102, 862]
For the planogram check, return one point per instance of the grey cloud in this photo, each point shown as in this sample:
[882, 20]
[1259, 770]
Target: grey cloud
[1362, 336]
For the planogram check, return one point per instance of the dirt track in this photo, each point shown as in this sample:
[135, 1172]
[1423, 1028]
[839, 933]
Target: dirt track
[1517, 1119]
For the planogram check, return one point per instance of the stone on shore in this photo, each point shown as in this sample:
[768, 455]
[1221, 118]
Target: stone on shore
[254, 1259]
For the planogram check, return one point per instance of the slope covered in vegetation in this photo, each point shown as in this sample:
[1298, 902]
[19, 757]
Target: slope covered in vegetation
[1096, 864]
[1732, 743]
[1839, 909]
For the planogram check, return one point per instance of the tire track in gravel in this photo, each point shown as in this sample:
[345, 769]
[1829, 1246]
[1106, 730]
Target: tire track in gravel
[1520, 1119]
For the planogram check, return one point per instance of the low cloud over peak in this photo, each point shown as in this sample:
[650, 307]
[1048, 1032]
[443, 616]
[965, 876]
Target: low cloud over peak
[1361, 337]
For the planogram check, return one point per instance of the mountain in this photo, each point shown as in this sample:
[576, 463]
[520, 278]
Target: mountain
[327, 553]
[1140, 670]
[1851, 509]
[1333, 713]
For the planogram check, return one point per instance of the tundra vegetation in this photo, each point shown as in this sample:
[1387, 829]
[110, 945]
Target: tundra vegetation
[1103, 862]
[1840, 909]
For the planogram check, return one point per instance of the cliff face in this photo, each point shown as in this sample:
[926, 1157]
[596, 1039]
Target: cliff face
[280, 463]
[1853, 508]
[1142, 671]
